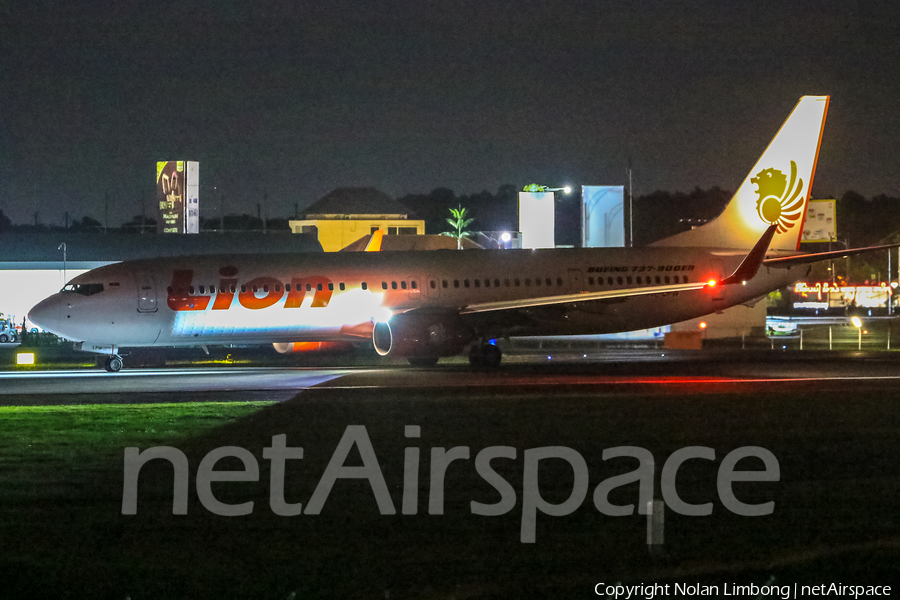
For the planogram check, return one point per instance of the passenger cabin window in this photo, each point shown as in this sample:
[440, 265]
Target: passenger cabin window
[84, 289]
[364, 286]
[384, 285]
[402, 285]
[342, 286]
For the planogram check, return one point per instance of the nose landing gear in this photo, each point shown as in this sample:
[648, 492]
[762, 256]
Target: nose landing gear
[114, 363]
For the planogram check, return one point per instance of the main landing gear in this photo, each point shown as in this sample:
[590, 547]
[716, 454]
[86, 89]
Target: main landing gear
[485, 355]
[114, 363]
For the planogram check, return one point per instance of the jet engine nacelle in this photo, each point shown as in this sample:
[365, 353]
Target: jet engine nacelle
[421, 335]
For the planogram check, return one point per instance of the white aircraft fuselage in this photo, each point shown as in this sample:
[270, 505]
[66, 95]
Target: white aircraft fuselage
[254, 299]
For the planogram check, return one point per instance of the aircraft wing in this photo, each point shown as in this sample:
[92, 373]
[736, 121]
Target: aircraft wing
[581, 297]
[804, 259]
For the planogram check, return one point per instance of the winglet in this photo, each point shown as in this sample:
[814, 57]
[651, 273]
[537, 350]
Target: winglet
[754, 260]
[374, 244]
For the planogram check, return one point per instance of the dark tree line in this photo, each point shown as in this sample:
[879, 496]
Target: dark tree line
[861, 221]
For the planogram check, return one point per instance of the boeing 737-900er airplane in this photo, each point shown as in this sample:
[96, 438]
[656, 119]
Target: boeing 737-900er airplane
[424, 305]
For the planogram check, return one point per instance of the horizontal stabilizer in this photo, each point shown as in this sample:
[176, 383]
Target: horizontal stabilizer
[805, 259]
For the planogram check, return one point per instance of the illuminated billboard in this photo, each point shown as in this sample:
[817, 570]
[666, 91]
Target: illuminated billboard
[177, 195]
[603, 216]
[824, 295]
[820, 225]
[537, 219]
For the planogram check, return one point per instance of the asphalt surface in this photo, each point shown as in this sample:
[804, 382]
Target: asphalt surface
[622, 371]
[830, 419]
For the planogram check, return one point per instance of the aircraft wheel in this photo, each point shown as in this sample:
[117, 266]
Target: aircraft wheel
[485, 355]
[491, 356]
[114, 363]
[475, 356]
[422, 361]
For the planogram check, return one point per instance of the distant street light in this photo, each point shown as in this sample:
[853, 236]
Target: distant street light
[534, 187]
[858, 324]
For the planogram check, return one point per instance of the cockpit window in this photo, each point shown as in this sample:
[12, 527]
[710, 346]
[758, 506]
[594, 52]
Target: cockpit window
[85, 289]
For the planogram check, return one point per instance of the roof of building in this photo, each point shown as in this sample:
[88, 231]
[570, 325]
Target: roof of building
[356, 201]
[114, 247]
[393, 243]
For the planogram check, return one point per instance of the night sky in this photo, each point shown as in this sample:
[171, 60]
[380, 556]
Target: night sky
[294, 99]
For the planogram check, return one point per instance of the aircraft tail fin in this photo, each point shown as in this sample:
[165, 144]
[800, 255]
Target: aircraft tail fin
[775, 192]
[374, 244]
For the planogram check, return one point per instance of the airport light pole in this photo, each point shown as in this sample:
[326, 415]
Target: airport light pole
[63, 248]
[858, 324]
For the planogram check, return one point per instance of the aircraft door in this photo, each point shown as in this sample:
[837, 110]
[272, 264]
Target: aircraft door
[576, 283]
[146, 289]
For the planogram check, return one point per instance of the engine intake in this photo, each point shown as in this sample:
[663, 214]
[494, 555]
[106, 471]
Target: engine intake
[412, 335]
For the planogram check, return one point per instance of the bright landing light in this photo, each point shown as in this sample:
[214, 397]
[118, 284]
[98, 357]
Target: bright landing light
[856, 322]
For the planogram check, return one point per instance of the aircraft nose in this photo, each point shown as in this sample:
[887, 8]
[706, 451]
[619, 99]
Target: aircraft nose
[47, 314]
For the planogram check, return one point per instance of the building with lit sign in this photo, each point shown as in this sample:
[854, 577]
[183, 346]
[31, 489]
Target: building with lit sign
[836, 297]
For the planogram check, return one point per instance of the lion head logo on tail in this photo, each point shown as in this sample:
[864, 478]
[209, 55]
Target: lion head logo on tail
[779, 202]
